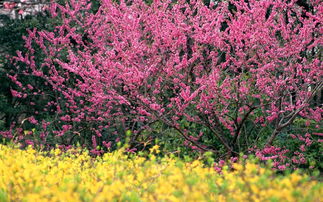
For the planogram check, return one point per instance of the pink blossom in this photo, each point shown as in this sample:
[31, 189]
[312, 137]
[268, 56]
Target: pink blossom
[15, 93]
[282, 167]
[32, 120]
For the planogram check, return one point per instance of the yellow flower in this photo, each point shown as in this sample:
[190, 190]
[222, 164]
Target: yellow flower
[155, 149]
[57, 176]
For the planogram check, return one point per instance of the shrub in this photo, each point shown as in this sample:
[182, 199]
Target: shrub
[224, 77]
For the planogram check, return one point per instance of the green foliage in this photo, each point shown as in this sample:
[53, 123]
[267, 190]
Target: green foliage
[306, 129]
[13, 109]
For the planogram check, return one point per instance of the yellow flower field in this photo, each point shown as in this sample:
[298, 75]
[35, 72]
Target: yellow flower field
[31, 175]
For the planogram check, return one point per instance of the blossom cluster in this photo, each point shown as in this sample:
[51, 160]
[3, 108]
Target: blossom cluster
[76, 176]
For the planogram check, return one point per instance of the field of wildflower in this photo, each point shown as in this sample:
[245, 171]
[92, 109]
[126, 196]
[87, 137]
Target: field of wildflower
[30, 175]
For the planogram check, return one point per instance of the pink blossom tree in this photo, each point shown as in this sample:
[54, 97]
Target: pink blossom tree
[207, 72]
